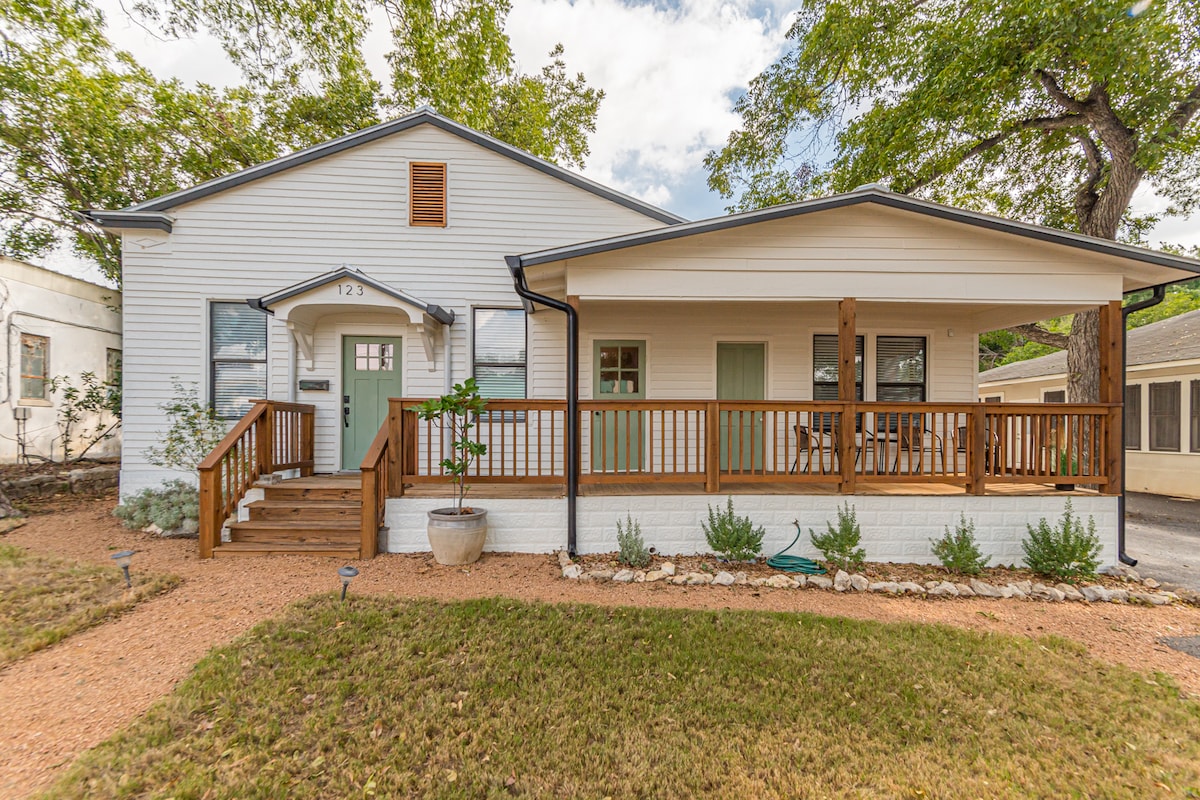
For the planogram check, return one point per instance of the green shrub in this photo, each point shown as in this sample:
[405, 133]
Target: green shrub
[958, 551]
[193, 431]
[633, 547]
[731, 537]
[167, 507]
[840, 545]
[1066, 551]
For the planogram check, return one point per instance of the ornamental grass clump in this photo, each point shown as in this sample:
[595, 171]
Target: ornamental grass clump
[839, 545]
[958, 551]
[170, 507]
[1068, 551]
[731, 537]
[633, 551]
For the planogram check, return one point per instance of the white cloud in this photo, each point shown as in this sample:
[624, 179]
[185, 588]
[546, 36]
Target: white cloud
[668, 73]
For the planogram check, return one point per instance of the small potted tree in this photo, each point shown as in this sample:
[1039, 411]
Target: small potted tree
[457, 534]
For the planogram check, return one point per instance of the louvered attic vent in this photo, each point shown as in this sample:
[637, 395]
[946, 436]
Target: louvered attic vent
[427, 195]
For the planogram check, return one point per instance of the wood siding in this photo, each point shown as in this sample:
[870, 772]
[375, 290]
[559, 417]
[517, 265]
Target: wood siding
[348, 208]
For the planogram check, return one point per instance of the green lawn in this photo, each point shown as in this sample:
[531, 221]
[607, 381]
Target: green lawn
[495, 698]
[44, 600]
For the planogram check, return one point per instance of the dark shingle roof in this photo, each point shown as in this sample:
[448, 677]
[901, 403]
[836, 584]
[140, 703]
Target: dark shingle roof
[1174, 339]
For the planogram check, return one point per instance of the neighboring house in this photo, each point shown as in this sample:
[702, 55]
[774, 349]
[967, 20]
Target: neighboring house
[54, 326]
[715, 357]
[1162, 401]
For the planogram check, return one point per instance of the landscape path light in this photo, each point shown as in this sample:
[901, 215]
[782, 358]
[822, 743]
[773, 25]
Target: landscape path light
[347, 574]
[123, 558]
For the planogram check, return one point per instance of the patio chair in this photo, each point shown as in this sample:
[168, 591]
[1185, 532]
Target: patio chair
[990, 451]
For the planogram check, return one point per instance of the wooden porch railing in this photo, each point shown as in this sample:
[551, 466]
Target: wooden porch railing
[802, 442]
[273, 436]
[375, 481]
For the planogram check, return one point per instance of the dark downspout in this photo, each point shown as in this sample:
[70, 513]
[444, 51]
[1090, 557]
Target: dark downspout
[572, 455]
[1159, 293]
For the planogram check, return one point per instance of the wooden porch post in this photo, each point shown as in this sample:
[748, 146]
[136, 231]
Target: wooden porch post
[395, 473]
[847, 340]
[264, 439]
[1112, 390]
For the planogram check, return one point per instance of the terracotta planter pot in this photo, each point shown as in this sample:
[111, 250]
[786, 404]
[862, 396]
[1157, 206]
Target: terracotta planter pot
[457, 539]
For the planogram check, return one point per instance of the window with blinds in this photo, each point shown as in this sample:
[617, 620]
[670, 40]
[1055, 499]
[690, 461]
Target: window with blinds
[498, 360]
[825, 367]
[1055, 396]
[1164, 416]
[238, 349]
[1195, 416]
[900, 368]
[35, 366]
[1133, 417]
[427, 194]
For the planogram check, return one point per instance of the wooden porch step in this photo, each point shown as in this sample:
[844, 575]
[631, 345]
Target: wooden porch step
[291, 492]
[332, 531]
[263, 510]
[335, 550]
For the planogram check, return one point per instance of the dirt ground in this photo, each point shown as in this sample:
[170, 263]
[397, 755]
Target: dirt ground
[58, 702]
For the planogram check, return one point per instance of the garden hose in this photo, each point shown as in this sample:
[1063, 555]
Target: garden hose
[795, 563]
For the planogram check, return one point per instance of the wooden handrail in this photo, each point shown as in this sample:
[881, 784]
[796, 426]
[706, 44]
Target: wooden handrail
[374, 469]
[271, 437]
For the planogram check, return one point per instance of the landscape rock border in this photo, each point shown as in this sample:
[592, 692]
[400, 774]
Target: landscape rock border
[1145, 592]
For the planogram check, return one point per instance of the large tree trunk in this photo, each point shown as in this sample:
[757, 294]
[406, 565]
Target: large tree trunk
[1083, 358]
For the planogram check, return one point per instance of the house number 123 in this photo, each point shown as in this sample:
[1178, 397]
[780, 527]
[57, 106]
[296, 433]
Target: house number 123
[350, 288]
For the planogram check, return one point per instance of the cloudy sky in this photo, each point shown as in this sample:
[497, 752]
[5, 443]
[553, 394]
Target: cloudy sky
[670, 70]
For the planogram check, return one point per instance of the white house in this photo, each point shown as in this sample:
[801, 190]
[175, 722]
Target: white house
[1162, 402]
[637, 363]
[54, 326]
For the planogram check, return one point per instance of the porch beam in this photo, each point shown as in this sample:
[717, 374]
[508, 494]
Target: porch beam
[847, 339]
[1112, 390]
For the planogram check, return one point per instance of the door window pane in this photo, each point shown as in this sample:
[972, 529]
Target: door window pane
[238, 343]
[1164, 416]
[499, 364]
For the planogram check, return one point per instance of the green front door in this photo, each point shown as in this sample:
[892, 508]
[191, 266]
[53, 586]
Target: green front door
[741, 375]
[618, 373]
[370, 375]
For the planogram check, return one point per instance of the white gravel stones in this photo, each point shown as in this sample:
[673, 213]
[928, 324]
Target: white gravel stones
[723, 578]
[1145, 592]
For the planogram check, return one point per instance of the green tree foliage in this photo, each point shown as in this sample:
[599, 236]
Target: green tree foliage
[83, 125]
[1050, 111]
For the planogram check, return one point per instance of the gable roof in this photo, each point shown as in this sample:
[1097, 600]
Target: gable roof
[147, 214]
[872, 193]
[442, 315]
[1174, 339]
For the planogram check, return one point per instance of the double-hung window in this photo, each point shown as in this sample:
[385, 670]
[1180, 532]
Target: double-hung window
[825, 367]
[1133, 417]
[1164, 416]
[900, 368]
[238, 348]
[35, 366]
[498, 362]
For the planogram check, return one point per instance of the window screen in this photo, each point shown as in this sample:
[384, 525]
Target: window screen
[1133, 417]
[499, 361]
[900, 368]
[238, 344]
[1164, 416]
[35, 364]
[825, 367]
[1056, 396]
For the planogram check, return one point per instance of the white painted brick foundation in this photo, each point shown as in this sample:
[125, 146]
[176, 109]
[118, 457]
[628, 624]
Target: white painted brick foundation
[895, 528]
